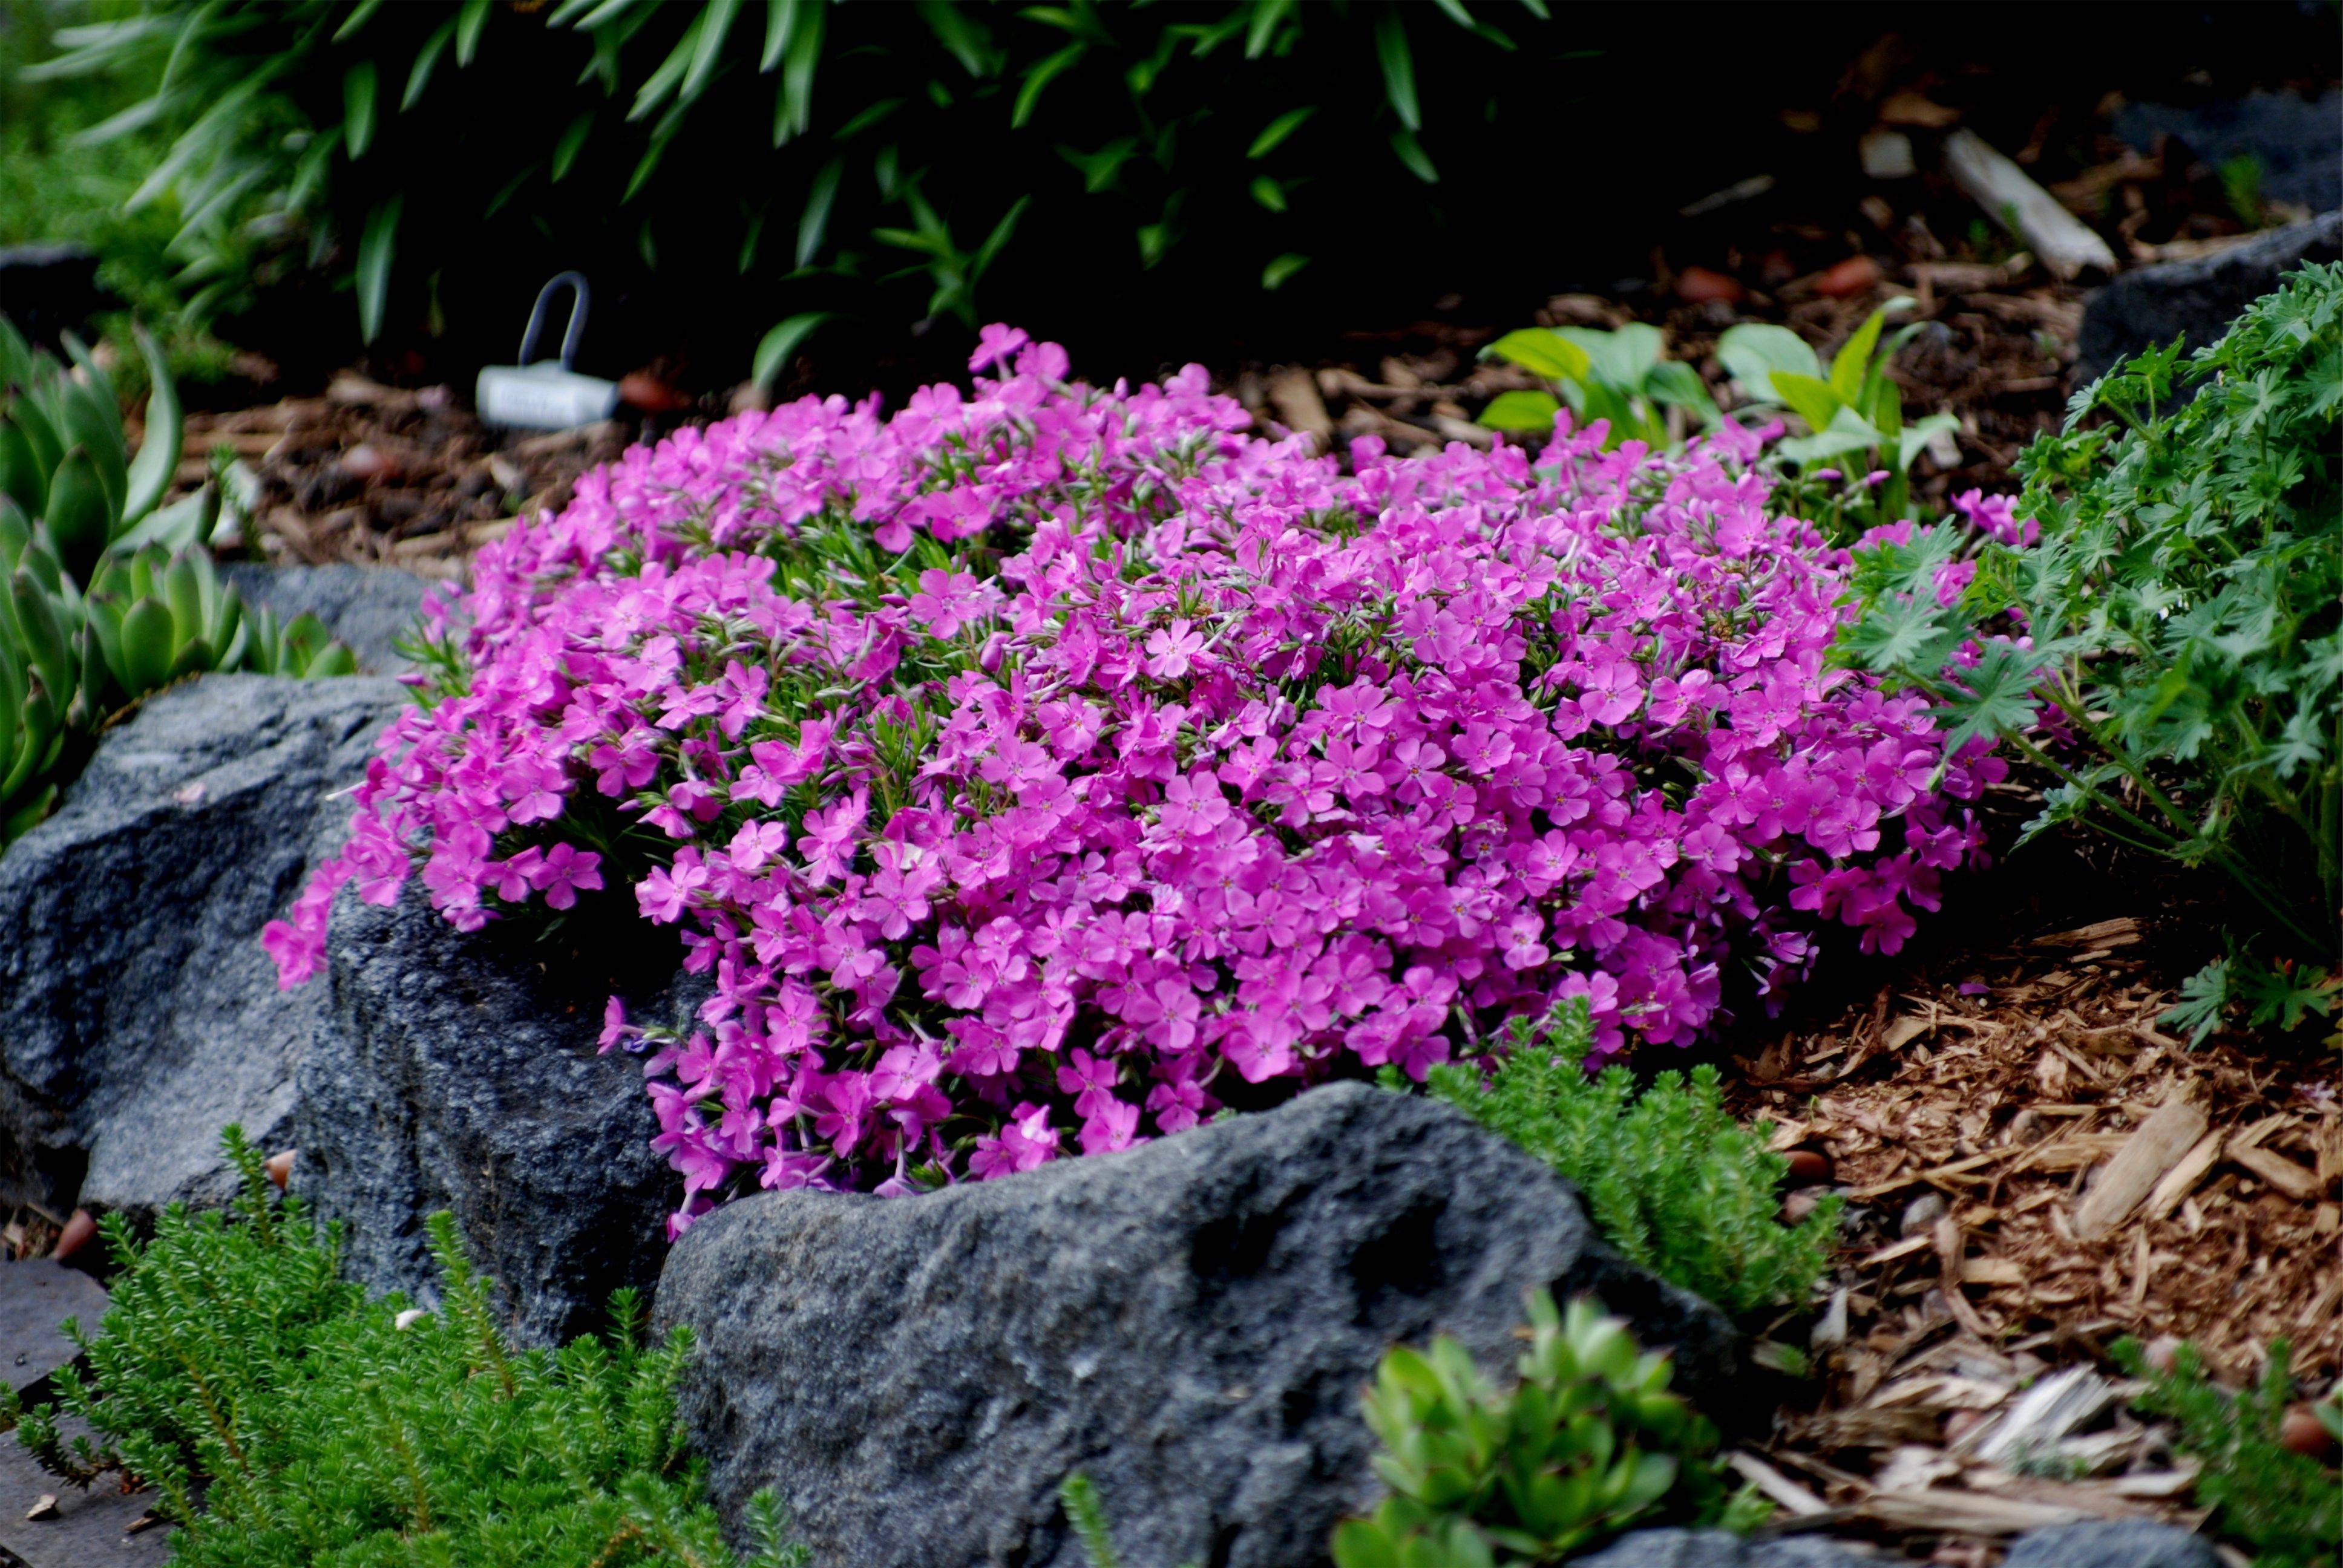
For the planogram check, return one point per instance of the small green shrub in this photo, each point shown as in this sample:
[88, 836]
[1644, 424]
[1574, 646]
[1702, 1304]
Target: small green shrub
[1622, 375]
[1854, 409]
[1589, 1443]
[286, 1422]
[2171, 647]
[2283, 1507]
[1670, 1179]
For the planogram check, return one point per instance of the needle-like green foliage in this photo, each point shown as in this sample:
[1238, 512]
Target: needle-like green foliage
[287, 1421]
[2285, 1508]
[1669, 1178]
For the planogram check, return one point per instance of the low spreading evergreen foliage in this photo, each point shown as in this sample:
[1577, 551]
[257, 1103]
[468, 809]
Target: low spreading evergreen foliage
[287, 1421]
[2285, 1508]
[1669, 1178]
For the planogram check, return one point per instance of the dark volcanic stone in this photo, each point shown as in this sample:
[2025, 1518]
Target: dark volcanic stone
[90, 1529]
[139, 1013]
[2196, 298]
[2130, 1544]
[1189, 1322]
[2297, 141]
[462, 1073]
[1716, 1549]
[368, 608]
[37, 1294]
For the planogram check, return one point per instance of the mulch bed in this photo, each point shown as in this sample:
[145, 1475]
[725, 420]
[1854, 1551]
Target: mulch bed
[385, 476]
[2034, 1169]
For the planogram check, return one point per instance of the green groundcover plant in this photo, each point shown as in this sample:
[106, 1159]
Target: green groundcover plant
[287, 1421]
[2158, 622]
[1670, 1179]
[2284, 1507]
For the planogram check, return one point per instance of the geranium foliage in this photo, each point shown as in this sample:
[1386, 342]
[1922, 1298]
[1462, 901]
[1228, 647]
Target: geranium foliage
[1038, 767]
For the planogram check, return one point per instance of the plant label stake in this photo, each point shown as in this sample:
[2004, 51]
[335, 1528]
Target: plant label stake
[547, 395]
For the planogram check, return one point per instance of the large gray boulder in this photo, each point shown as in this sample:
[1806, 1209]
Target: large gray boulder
[369, 608]
[138, 1011]
[2126, 1544]
[2196, 298]
[1190, 1323]
[461, 1073]
[1716, 1549]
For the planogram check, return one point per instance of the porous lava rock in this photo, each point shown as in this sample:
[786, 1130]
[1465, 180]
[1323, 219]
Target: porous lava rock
[1189, 1322]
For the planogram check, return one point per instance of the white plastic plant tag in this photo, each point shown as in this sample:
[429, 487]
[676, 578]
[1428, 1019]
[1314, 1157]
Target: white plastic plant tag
[549, 395]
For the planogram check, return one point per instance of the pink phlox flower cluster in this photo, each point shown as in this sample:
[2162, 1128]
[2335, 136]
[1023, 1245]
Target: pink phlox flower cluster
[1036, 767]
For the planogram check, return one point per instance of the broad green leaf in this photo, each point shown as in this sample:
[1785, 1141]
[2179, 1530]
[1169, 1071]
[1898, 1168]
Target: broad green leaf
[1911, 439]
[815, 220]
[1854, 357]
[427, 58]
[358, 107]
[661, 83]
[1274, 134]
[150, 472]
[1752, 351]
[1039, 77]
[1542, 352]
[1529, 411]
[572, 142]
[1268, 193]
[1398, 67]
[1811, 400]
[780, 22]
[1411, 152]
[1266, 16]
[376, 246]
[1622, 358]
[716, 26]
[469, 21]
[1677, 385]
[1275, 274]
[774, 350]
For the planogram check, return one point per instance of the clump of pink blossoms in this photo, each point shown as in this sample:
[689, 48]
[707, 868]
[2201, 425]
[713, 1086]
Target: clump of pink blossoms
[1035, 765]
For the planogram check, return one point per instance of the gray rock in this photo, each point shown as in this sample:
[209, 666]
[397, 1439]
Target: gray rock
[2196, 298]
[139, 1013]
[2131, 1543]
[461, 1073]
[1717, 1549]
[90, 1529]
[2297, 141]
[36, 1296]
[1190, 1323]
[368, 608]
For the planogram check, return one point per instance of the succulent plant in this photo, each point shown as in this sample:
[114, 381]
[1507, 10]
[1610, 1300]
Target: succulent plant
[77, 507]
[1590, 1441]
[301, 648]
[65, 463]
[156, 616]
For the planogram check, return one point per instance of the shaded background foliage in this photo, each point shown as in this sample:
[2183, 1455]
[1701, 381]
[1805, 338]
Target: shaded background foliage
[1142, 182]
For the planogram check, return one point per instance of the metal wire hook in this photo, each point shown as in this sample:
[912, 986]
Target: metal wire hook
[569, 334]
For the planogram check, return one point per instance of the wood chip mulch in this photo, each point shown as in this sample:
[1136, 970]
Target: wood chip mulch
[384, 476]
[2033, 1168]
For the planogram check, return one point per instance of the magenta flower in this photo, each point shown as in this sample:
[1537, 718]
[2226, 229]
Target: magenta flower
[988, 861]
